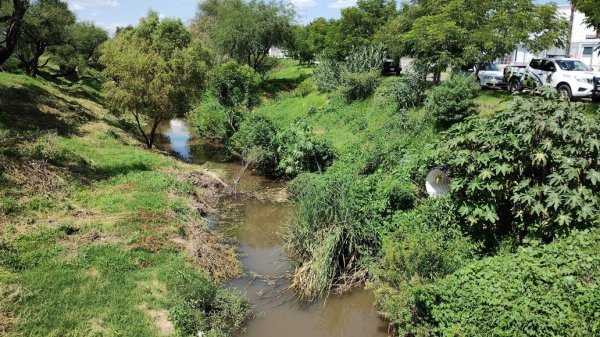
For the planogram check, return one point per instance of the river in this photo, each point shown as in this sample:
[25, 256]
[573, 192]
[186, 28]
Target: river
[257, 224]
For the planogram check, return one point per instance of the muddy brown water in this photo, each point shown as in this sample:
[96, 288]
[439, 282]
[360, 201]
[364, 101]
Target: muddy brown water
[258, 224]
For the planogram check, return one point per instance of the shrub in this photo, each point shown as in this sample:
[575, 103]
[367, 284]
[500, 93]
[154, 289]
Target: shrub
[255, 143]
[306, 87]
[235, 86]
[328, 75]
[408, 91]
[300, 151]
[358, 86]
[541, 290]
[213, 121]
[528, 170]
[424, 245]
[451, 102]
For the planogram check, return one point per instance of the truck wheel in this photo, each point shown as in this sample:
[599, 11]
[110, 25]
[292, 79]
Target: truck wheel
[514, 85]
[564, 90]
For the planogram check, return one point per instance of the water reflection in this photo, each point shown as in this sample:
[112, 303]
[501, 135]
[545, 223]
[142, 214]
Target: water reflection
[257, 224]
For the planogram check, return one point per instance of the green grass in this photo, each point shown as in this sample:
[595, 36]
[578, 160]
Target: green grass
[96, 228]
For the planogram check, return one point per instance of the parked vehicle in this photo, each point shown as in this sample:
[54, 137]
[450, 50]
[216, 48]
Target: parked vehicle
[491, 76]
[389, 67]
[572, 78]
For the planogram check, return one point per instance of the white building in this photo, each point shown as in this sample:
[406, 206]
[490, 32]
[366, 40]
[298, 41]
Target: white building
[585, 42]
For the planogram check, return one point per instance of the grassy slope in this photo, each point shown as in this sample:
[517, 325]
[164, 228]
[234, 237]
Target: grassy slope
[345, 125]
[97, 233]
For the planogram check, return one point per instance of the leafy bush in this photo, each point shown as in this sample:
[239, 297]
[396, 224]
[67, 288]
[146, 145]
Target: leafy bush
[366, 59]
[306, 87]
[300, 151]
[408, 91]
[425, 244]
[451, 102]
[541, 290]
[288, 151]
[328, 75]
[213, 121]
[235, 86]
[255, 143]
[358, 86]
[529, 170]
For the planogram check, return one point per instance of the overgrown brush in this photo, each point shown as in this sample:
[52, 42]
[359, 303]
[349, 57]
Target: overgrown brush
[358, 86]
[452, 101]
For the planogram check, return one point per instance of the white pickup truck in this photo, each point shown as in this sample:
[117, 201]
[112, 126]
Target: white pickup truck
[572, 78]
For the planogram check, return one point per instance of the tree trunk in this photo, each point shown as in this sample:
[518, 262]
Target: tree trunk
[12, 30]
[568, 42]
[153, 132]
[32, 65]
[139, 125]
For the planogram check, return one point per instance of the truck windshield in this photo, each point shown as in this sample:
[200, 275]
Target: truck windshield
[572, 65]
[491, 67]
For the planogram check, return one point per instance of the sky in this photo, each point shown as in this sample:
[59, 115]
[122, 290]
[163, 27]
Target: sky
[111, 14]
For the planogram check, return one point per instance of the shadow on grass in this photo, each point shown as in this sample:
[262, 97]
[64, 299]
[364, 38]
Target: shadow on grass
[273, 86]
[30, 108]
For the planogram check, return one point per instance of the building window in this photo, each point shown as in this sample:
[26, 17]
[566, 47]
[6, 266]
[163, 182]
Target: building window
[588, 51]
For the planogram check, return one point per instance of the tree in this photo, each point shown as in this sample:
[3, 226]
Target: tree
[312, 40]
[246, 31]
[10, 26]
[358, 24]
[44, 26]
[236, 88]
[156, 70]
[591, 10]
[83, 40]
[472, 32]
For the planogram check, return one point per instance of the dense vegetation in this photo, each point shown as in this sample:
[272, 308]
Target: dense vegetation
[101, 236]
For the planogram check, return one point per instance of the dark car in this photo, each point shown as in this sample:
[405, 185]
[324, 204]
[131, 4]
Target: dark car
[389, 67]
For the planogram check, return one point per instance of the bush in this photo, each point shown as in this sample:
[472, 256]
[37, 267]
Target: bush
[212, 120]
[298, 151]
[424, 245]
[451, 102]
[306, 87]
[408, 91]
[526, 171]
[550, 290]
[255, 143]
[358, 86]
[285, 152]
[328, 75]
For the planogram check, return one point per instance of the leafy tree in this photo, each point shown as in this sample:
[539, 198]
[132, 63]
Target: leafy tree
[472, 32]
[591, 10]
[246, 31]
[83, 40]
[45, 25]
[311, 40]
[358, 24]
[156, 69]
[11, 20]
[236, 88]
[531, 170]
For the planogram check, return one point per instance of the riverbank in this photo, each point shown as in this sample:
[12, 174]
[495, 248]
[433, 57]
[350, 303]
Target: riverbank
[100, 236]
[257, 216]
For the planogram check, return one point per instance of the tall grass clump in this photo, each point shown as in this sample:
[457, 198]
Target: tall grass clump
[330, 237]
